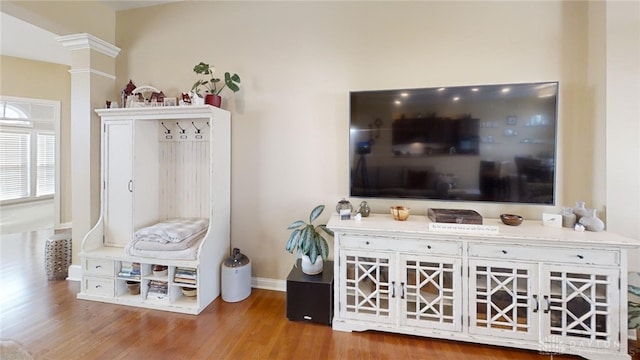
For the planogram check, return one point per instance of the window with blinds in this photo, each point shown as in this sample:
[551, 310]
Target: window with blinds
[14, 165]
[27, 148]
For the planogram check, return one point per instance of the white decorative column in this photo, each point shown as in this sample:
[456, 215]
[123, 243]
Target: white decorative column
[92, 82]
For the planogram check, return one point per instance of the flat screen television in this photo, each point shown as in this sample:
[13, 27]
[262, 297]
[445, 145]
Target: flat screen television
[493, 143]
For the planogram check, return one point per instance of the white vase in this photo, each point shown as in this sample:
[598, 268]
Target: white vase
[591, 221]
[309, 268]
[580, 210]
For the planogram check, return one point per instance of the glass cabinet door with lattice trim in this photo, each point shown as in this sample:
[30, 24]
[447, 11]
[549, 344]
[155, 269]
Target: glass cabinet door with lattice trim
[367, 291]
[503, 299]
[579, 305]
[430, 292]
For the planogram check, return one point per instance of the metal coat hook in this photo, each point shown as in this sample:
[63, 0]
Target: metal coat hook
[194, 125]
[168, 130]
[208, 124]
[182, 131]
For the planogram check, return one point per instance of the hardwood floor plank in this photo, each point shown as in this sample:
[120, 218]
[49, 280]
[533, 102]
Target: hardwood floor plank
[52, 324]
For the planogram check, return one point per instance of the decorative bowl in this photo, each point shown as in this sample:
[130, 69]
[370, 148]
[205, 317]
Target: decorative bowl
[134, 287]
[400, 213]
[160, 270]
[511, 219]
[191, 292]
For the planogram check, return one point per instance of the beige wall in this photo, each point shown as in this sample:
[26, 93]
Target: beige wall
[42, 80]
[623, 119]
[65, 17]
[299, 60]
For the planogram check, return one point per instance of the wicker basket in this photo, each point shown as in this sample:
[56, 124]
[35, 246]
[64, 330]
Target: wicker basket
[57, 256]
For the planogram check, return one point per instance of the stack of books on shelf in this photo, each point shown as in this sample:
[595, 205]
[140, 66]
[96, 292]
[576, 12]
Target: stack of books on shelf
[185, 276]
[157, 289]
[130, 271]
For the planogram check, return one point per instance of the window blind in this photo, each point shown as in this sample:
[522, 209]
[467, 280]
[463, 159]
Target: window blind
[14, 165]
[45, 160]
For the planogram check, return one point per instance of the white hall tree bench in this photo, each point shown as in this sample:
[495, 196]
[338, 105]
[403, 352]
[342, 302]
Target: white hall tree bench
[552, 290]
[160, 164]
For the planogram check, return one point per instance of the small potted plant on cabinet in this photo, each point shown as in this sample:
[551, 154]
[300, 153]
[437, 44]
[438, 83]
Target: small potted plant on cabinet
[211, 83]
[311, 246]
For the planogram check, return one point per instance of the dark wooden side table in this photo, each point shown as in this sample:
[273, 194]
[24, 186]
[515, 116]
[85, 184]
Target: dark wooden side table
[310, 297]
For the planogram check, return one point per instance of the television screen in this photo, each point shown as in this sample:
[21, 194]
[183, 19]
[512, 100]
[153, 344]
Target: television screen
[494, 143]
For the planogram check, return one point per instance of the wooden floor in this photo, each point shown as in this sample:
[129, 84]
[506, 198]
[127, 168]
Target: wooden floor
[51, 323]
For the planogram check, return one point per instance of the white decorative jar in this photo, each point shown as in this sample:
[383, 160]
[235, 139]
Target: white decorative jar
[591, 221]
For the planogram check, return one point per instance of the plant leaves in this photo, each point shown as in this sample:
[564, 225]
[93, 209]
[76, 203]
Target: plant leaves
[293, 241]
[313, 252]
[301, 240]
[326, 229]
[201, 68]
[307, 241]
[315, 213]
[323, 246]
[231, 81]
[296, 224]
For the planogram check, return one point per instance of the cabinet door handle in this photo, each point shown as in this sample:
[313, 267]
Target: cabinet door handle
[401, 290]
[429, 247]
[98, 286]
[393, 289]
[535, 309]
[130, 186]
[546, 298]
[504, 252]
[98, 266]
[580, 257]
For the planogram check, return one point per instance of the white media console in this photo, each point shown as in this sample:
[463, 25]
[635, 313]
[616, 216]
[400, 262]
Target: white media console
[552, 290]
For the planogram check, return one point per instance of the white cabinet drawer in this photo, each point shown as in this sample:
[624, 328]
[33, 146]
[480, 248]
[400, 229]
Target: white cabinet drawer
[98, 286]
[422, 246]
[102, 267]
[545, 254]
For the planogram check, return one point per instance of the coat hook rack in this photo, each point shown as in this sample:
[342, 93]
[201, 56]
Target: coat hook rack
[168, 130]
[194, 125]
[182, 131]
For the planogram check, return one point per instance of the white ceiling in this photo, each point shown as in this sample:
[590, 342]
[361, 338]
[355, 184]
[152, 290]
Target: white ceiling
[23, 40]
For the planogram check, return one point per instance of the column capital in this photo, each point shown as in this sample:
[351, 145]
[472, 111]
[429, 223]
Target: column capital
[88, 41]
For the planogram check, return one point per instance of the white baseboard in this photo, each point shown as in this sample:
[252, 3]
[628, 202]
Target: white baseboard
[75, 273]
[268, 284]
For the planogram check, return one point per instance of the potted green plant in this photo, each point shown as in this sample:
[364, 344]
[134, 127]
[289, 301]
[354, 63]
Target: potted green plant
[308, 243]
[210, 83]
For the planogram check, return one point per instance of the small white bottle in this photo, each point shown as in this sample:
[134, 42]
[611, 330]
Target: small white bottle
[568, 218]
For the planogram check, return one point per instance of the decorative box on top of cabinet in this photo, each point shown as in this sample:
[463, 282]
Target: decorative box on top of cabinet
[532, 287]
[160, 163]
